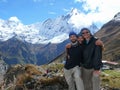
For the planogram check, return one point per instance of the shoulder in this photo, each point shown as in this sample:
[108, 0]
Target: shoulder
[93, 40]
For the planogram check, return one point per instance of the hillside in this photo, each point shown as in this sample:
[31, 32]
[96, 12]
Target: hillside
[32, 77]
[14, 51]
[110, 35]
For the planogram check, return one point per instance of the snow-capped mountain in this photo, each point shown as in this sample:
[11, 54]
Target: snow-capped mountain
[50, 31]
[13, 28]
[41, 42]
[117, 17]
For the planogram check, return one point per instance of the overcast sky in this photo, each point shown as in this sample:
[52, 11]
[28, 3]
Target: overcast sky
[32, 11]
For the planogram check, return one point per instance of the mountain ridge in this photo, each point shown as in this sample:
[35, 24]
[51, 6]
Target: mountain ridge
[22, 44]
[45, 32]
[110, 35]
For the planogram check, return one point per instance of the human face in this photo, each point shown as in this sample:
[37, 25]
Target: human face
[80, 39]
[73, 38]
[86, 34]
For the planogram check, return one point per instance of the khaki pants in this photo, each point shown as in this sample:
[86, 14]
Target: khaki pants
[90, 80]
[73, 78]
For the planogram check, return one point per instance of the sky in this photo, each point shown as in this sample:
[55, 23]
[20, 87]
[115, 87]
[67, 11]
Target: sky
[32, 11]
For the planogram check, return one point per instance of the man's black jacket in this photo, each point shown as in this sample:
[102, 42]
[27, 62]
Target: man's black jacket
[74, 57]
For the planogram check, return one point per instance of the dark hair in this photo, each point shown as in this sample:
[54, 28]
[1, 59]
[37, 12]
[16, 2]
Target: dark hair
[85, 29]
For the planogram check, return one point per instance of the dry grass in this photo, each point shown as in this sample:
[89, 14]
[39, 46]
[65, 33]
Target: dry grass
[32, 78]
[112, 79]
[32, 70]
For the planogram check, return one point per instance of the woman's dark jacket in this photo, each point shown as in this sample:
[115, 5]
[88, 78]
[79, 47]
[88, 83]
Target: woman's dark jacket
[92, 55]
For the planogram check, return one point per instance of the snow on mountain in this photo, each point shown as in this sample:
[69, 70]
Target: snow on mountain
[59, 38]
[14, 19]
[78, 19]
[117, 17]
[14, 28]
[51, 30]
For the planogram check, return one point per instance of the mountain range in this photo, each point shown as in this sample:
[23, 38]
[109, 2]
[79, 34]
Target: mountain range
[50, 31]
[38, 43]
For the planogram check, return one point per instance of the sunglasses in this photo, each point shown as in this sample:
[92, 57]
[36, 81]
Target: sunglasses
[85, 32]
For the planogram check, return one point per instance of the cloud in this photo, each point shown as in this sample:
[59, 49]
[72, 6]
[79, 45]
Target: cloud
[80, 20]
[106, 9]
[53, 13]
[98, 11]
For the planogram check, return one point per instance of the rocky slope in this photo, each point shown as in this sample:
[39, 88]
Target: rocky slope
[31, 77]
[14, 51]
[110, 35]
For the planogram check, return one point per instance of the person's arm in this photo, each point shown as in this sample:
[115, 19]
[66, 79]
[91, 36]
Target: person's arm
[68, 45]
[100, 43]
[97, 60]
[66, 51]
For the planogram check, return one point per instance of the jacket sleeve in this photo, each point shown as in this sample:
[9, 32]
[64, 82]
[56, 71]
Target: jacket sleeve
[66, 53]
[97, 60]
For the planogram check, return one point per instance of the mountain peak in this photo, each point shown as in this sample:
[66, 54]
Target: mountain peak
[117, 17]
[74, 11]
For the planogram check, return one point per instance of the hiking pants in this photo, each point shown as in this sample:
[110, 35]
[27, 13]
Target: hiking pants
[90, 80]
[73, 78]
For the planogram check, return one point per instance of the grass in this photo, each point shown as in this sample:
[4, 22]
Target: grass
[111, 79]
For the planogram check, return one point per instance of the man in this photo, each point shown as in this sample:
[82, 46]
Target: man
[92, 63]
[72, 66]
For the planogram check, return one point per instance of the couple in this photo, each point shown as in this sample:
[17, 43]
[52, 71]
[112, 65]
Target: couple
[83, 61]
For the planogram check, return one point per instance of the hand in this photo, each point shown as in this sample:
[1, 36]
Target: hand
[96, 72]
[99, 42]
[68, 45]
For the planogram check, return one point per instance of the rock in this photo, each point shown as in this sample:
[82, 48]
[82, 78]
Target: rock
[28, 77]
